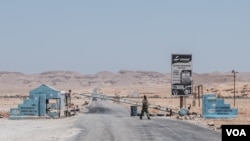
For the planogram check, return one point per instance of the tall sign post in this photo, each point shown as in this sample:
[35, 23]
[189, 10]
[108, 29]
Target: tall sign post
[181, 76]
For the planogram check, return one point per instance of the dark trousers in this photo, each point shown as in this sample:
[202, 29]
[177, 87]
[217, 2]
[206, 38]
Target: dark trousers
[144, 109]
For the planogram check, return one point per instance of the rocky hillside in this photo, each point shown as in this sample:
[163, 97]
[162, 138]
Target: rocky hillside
[19, 83]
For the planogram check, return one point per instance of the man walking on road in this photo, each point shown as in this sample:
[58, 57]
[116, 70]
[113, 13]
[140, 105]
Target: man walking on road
[144, 107]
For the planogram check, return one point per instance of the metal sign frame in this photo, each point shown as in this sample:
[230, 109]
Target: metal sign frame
[181, 75]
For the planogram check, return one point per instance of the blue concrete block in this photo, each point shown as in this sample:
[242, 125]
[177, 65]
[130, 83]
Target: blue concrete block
[213, 107]
[29, 108]
[36, 104]
[14, 112]
[42, 105]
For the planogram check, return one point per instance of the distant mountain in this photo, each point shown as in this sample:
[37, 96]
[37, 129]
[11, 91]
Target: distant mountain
[16, 82]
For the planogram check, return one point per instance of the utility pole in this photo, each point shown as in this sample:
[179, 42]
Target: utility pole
[200, 92]
[234, 84]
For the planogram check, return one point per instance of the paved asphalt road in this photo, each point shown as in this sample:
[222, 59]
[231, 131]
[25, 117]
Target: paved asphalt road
[106, 121]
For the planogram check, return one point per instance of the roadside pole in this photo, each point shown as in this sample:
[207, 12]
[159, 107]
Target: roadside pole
[181, 102]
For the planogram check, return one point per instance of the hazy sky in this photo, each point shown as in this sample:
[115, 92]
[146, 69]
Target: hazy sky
[89, 36]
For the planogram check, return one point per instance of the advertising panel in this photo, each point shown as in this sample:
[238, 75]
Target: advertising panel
[181, 74]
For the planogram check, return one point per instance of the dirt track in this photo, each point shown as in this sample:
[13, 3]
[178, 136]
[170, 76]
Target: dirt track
[106, 121]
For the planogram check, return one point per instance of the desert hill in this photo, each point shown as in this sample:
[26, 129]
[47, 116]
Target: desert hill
[123, 82]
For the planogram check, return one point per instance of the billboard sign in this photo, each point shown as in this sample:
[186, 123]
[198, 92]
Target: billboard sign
[181, 74]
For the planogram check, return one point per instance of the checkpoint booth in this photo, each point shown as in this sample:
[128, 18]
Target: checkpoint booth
[43, 101]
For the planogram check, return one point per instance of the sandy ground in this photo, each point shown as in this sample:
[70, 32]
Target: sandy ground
[38, 130]
[62, 129]
[65, 129]
[242, 105]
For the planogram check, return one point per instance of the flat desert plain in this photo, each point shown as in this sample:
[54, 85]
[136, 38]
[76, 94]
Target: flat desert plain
[15, 86]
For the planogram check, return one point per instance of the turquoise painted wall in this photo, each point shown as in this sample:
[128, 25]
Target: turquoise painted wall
[36, 104]
[213, 107]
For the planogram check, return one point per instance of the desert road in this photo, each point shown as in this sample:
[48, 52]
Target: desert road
[107, 121]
